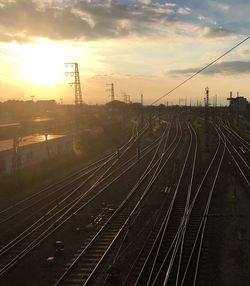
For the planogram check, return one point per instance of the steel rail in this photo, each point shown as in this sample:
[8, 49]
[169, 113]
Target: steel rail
[149, 238]
[191, 209]
[65, 198]
[235, 160]
[206, 215]
[88, 169]
[161, 229]
[239, 155]
[62, 201]
[90, 174]
[240, 137]
[186, 219]
[190, 187]
[21, 237]
[146, 172]
[39, 239]
[65, 178]
[170, 213]
[179, 234]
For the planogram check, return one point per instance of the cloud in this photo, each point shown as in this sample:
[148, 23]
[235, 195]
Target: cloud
[219, 6]
[246, 51]
[87, 20]
[226, 68]
[27, 19]
[184, 11]
[81, 20]
[146, 2]
[170, 4]
[217, 33]
[207, 20]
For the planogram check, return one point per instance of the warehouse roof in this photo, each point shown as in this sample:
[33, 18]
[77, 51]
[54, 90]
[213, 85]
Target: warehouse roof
[9, 125]
[27, 140]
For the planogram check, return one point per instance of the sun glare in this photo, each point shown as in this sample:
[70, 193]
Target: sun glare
[42, 63]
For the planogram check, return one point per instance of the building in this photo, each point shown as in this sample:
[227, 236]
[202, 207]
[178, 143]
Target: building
[238, 104]
[19, 153]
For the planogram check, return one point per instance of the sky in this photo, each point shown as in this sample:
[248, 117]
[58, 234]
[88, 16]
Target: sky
[142, 46]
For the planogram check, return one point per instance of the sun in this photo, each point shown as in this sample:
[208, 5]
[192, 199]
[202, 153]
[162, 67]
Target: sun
[42, 63]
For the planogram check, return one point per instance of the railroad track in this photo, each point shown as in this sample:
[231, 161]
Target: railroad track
[176, 238]
[135, 268]
[169, 224]
[29, 239]
[82, 270]
[58, 193]
[64, 186]
[187, 267]
[239, 153]
[178, 247]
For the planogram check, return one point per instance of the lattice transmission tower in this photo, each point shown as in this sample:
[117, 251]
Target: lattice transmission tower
[76, 83]
[112, 91]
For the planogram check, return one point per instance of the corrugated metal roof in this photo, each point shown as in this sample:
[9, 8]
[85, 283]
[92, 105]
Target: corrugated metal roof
[9, 125]
[27, 140]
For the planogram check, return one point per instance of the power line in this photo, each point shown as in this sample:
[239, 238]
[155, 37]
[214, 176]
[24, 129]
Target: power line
[10, 54]
[5, 52]
[17, 77]
[10, 62]
[201, 70]
[5, 57]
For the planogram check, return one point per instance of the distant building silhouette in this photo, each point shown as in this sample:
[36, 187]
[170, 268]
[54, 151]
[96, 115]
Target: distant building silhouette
[238, 104]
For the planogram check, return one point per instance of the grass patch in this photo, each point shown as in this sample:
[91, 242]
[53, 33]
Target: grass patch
[200, 127]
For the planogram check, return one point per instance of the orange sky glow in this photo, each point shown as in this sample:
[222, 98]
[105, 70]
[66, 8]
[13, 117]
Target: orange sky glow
[149, 56]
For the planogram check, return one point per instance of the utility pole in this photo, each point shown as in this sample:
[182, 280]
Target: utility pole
[16, 158]
[182, 100]
[206, 99]
[142, 117]
[78, 101]
[76, 83]
[237, 108]
[138, 159]
[126, 97]
[230, 98]
[112, 91]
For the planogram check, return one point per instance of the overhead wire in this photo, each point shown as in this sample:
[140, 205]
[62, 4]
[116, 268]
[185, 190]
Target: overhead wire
[9, 62]
[201, 70]
[5, 52]
[13, 77]
[15, 60]
[10, 54]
